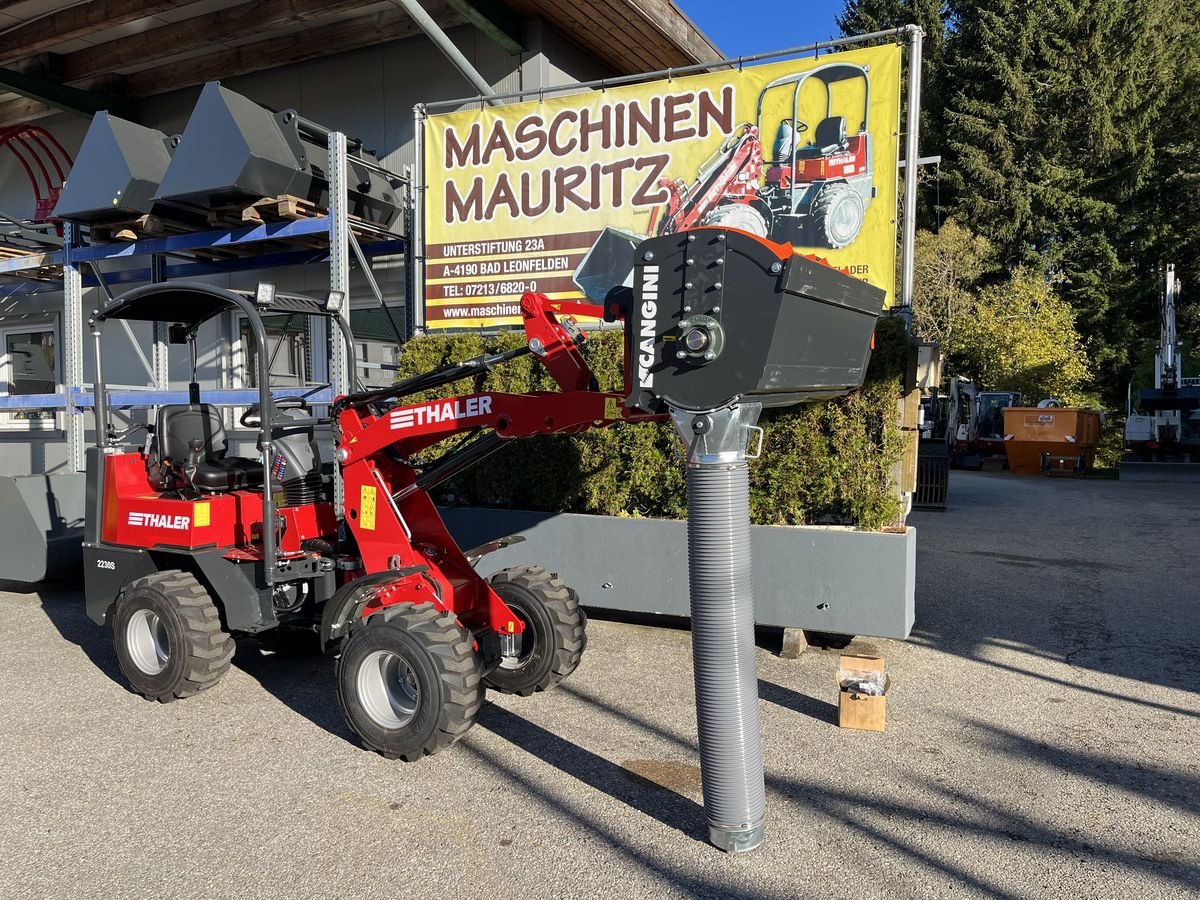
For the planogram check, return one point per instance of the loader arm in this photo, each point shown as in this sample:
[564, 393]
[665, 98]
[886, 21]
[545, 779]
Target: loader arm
[388, 509]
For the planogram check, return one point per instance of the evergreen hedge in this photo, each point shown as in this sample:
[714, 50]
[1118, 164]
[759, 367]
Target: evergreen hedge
[825, 462]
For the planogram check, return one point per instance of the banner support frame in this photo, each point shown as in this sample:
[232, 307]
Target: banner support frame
[914, 33]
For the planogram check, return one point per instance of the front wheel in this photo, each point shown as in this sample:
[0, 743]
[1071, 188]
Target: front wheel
[410, 681]
[168, 637]
[555, 635]
[838, 215]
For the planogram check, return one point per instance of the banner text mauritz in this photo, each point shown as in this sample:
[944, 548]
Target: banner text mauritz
[638, 124]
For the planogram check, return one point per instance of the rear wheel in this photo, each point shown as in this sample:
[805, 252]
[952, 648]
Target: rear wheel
[409, 681]
[837, 216]
[555, 635]
[168, 637]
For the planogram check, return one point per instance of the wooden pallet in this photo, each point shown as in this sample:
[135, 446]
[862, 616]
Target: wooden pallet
[284, 208]
[40, 272]
[147, 226]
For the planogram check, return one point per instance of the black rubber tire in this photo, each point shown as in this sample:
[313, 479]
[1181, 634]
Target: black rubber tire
[826, 206]
[551, 612]
[198, 650]
[447, 669]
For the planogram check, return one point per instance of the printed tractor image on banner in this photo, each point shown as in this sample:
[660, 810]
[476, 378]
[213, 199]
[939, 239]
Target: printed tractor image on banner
[554, 195]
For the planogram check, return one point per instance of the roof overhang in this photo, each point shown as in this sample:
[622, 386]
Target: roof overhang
[98, 53]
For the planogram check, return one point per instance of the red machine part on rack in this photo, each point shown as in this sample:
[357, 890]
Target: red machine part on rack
[45, 161]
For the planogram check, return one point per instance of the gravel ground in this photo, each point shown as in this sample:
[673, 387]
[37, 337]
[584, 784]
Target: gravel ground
[1041, 741]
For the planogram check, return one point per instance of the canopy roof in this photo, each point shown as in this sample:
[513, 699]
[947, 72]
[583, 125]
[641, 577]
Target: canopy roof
[191, 303]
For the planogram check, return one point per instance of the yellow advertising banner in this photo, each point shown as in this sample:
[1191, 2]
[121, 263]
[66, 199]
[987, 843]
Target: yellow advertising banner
[540, 196]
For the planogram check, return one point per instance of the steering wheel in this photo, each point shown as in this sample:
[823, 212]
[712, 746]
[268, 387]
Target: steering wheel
[798, 126]
[252, 417]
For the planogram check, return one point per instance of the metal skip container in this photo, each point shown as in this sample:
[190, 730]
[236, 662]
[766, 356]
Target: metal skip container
[1050, 439]
[116, 173]
[235, 151]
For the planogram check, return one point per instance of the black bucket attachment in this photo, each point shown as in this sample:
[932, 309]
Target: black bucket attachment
[116, 173]
[720, 316]
[234, 151]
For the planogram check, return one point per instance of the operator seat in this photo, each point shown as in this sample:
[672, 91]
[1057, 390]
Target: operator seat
[829, 137]
[178, 425]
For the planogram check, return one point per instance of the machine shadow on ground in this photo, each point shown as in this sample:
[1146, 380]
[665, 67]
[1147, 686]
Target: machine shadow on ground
[886, 820]
[305, 684]
[62, 604]
[1073, 572]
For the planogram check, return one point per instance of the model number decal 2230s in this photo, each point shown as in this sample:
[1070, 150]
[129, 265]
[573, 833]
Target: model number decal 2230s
[110, 564]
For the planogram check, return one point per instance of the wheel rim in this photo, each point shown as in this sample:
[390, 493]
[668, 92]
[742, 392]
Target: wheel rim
[525, 643]
[387, 689]
[844, 220]
[147, 641]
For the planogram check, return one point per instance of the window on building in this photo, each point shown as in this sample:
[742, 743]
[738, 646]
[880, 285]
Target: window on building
[29, 365]
[287, 344]
[376, 345]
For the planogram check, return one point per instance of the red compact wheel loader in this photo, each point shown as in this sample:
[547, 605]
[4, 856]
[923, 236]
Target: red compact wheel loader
[188, 546]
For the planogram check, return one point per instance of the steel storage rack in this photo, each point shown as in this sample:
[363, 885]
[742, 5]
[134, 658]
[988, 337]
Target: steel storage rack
[37, 531]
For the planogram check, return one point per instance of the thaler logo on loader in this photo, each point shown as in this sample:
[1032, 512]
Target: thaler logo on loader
[441, 411]
[649, 326]
[160, 520]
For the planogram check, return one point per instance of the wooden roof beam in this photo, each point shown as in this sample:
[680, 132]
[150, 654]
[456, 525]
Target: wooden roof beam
[273, 52]
[670, 21]
[58, 95]
[497, 21]
[15, 112]
[75, 22]
[201, 31]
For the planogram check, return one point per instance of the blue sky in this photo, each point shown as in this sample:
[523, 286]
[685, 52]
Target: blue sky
[743, 28]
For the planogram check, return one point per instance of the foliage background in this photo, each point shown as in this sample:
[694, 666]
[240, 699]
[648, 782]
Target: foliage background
[822, 462]
[1070, 142]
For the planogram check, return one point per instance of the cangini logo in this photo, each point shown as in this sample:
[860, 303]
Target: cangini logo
[649, 330]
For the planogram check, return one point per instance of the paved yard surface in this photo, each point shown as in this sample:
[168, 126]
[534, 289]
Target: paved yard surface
[1043, 740]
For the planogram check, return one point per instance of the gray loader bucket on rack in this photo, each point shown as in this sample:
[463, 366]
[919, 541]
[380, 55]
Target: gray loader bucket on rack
[234, 151]
[116, 173]
[41, 528]
[608, 264]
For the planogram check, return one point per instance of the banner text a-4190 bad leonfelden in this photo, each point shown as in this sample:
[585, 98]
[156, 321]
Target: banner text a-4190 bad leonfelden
[553, 195]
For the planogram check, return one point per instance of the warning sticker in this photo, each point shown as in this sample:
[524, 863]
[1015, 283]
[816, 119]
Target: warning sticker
[201, 514]
[366, 507]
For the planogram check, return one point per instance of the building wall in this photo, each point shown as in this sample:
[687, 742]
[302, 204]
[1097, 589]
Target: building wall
[368, 93]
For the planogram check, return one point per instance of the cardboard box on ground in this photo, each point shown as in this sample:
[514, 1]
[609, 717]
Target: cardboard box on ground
[862, 692]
